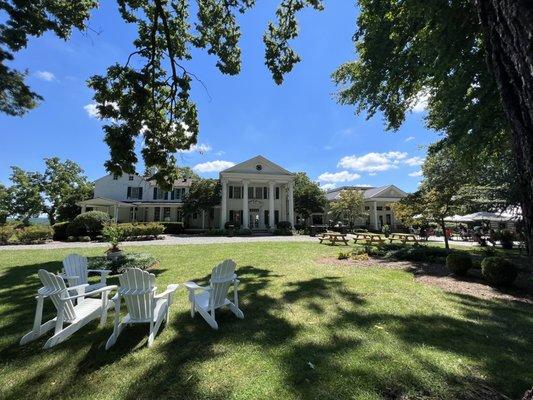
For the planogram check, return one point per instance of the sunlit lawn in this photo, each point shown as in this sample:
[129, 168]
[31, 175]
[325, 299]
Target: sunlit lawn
[312, 329]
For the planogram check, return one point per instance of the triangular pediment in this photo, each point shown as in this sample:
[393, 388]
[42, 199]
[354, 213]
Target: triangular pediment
[390, 191]
[257, 165]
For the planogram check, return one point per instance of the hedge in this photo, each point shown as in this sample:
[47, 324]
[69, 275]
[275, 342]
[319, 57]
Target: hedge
[88, 224]
[60, 231]
[458, 263]
[498, 271]
[131, 231]
[173, 227]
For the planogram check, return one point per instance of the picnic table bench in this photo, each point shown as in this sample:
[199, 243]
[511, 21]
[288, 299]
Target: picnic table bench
[403, 237]
[368, 237]
[333, 238]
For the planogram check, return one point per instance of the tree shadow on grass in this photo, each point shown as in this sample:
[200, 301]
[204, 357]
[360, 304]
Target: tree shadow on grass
[496, 336]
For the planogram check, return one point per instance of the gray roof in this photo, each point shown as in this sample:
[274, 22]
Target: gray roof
[368, 192]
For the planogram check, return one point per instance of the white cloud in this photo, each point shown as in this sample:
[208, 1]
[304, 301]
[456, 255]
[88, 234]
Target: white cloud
[342, 176]
[201, 148]
[416, 173]
[328, 186]
[45, 76]
[213, 166]
[372, 173]
[373, 162]
[409, 138]
[220, 153]
[421, 102]
[91, 110]
[414, 161]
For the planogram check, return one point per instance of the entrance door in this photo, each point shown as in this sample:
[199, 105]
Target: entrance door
[254, 219]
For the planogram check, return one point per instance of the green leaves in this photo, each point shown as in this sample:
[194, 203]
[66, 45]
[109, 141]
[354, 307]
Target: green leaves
[280, 58]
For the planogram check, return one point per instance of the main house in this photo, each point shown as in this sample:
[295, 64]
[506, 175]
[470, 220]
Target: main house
[256, 193]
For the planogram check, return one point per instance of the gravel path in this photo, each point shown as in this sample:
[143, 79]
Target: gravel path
[167, 240]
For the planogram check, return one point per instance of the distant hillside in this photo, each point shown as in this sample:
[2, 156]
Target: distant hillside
[35, 221]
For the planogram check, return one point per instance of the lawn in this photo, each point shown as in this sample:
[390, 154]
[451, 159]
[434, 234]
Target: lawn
[312, 329]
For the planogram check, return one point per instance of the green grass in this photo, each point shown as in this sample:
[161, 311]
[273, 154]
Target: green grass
[311, 330]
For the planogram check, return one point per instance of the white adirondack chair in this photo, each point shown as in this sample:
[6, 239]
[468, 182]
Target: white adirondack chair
[76, 316]
[76, 273]
[144, 306]
[215, 295]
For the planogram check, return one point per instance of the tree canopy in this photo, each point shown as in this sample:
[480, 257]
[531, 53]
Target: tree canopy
[308, 197]
[202, 196]
[349, 207]
[148, 95]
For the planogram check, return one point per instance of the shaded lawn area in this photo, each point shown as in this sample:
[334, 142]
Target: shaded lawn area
[310, 331]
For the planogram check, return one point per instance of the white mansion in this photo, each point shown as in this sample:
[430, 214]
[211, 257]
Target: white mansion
[256, 193]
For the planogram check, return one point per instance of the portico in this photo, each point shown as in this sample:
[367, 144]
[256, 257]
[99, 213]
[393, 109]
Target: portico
[257, 194]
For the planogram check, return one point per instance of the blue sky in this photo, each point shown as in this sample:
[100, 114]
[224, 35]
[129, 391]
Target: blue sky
[297, 125]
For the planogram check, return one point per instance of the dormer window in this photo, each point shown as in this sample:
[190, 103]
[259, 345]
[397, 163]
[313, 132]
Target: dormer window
[115, 177]
[130, 177]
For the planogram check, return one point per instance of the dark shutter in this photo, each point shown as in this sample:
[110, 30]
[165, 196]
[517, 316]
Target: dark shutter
[277, 193]
[231, 215]
[276, 217]
[266, 218]
[265, 193]
[242, 219]
[129, 192]
[140, 193]
[155, 193]
[172, 194]
[166, 195]
[231, 192]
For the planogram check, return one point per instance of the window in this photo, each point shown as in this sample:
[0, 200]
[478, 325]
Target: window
[235, 192]
[277, 193]
[159, 194]
[157, 214]
[179, 216]
[115, 177]
[130, 177]
[166, 214]
[250, 192]
[276, 217]
[265, 193]
[379, 208]
[388, 219]
[178, 194]
[367, 208]
[258, 192]
[134, 193]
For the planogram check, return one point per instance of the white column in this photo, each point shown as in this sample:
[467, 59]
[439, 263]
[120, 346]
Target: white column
[245, 217]
[83, 208]
[291, 203]
[271, 198]
[115, 213]
[376, 215]
[224, 205]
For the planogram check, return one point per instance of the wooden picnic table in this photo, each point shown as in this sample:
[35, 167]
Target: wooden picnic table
[368, 237]
[403, 237]
[333, 238]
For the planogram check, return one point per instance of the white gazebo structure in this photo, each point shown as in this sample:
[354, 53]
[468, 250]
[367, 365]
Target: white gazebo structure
[257, 194]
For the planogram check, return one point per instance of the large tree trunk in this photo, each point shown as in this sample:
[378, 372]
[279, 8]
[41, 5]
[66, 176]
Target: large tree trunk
[508, 30]
[446, 242]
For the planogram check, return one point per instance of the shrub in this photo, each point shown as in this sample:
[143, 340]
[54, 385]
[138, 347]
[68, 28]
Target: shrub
[132, 231]
[284, 225]
[130, 260]
[34, 234]
[498, 271]
[417, 253]
[113, 233]
[90, 224]
[232, 224]
[60, 231]
[83, 239]
[245, 232]
[282, 232]
[386, 230]
[173, 227]
[344, 256]
[458, 263]
[6, 232]
[360, 230]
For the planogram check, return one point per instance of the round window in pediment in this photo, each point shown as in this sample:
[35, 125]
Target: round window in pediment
[259, 167]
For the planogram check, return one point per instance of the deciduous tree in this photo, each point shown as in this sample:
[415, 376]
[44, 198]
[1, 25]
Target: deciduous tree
[349, 207]
[25, 190]
[308, 197]
[203, 195]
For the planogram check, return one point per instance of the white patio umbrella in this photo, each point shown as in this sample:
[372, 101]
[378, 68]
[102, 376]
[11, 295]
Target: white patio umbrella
[487, 216]
[458, 218]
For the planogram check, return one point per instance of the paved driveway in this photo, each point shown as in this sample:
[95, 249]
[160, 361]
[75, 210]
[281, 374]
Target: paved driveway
[166, 240]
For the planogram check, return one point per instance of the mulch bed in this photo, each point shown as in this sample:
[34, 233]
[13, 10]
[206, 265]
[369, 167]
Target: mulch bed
[437, 275]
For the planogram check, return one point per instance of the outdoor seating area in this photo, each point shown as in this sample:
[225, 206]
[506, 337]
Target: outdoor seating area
[333, 238]
[75, 307]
